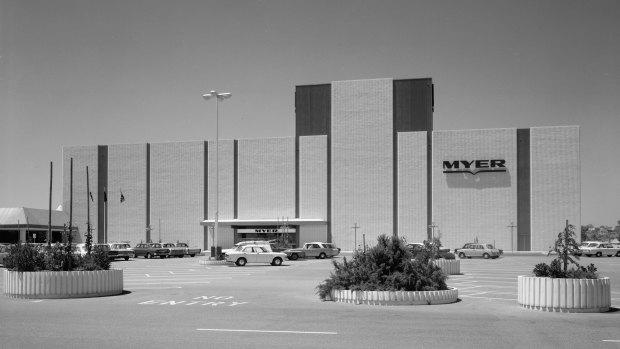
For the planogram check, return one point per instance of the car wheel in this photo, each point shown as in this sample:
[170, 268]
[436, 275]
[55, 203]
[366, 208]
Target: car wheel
[618, 254]
[192, 255]
[148, 256]
[322, 255]
[162, 257]
[277, 261]
[241, 262]
[588, 255]
[135, 255]
[486, 256]
[461, 255]
[295, 256]
[127, 258]
[598, 254]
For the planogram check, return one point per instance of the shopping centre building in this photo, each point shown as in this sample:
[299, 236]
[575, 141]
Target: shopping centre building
[364, 161]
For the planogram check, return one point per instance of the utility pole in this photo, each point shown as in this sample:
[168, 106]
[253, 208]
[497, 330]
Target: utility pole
[355, 227]
[512, 226]
[433, 226]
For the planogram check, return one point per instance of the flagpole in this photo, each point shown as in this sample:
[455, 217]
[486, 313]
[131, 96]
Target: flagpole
[49, 221]
[105, 213]
[89, 238]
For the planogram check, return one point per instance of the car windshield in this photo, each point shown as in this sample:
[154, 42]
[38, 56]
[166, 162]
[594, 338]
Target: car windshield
[592, 244]
[489, 246]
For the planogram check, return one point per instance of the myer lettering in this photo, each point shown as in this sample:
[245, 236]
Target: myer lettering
[474, 166]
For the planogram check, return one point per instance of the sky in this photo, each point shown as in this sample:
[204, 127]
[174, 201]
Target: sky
[86, 72]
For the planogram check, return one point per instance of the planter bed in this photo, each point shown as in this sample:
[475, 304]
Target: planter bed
[449, 266]
[63, 284]
[565, 295]
[395, 297]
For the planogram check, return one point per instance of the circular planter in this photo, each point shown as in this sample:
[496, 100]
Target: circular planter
[565, 295]
[449, 266]
[395, 297]
[63, 284]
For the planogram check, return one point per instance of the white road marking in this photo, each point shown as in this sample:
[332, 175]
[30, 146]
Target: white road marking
[39, 301]
[147, 275]
[261, 331]
[171, 272]
[504, 299]
[154, 288]
[611, 340]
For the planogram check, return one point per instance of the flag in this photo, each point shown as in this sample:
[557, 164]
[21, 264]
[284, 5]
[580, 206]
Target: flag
[91, 196]
[122, 197]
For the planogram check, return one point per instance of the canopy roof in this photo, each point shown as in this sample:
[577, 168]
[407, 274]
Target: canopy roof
[32, 217]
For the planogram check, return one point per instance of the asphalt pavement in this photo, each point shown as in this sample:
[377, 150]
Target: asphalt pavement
[178, 302]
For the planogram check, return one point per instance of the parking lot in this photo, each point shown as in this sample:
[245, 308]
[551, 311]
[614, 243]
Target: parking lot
[171, 302]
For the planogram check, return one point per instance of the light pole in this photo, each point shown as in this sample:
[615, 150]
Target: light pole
[512, 226]
[218, 97]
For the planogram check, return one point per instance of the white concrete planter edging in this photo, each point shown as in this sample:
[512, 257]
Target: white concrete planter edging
[63, 284]
[449, 266]
[395, 297]
[565, 295]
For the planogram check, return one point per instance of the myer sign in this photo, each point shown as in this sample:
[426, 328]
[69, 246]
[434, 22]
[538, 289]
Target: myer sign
[474, 166]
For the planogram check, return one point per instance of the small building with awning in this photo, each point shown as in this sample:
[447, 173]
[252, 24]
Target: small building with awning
[23, 224]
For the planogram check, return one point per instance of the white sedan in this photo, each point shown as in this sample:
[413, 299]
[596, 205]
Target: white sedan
[255, 254]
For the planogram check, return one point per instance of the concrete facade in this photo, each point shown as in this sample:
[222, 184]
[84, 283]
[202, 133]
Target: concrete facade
[364, 153]
[362, 159]
[177, 186]
[556, 183]
[412, 193]
[467, 206]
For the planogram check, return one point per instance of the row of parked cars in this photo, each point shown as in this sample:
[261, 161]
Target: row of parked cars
[123, 250]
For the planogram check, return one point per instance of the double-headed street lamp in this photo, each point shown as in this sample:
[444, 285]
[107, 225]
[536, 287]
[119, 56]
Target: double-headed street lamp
[218, 97]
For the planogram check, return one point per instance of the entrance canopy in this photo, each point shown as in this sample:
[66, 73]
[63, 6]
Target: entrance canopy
[265, 222]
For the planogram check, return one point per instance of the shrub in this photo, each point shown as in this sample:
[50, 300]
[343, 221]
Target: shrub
[57, 257]
[449, 255]
[25, 257]
[384, 267]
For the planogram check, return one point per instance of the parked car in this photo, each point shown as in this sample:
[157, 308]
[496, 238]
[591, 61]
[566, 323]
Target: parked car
[173, 250]
[120, 250]
[599, 249]
[239, 245]
[150, 250]
[81, 248]
[313, 249]
[255, 254]
[416, 247]
[188, 251]
[470, 250]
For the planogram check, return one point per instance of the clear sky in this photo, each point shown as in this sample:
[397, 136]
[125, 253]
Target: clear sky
[84, 72]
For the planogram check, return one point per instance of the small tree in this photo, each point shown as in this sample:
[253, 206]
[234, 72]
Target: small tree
[567, 247]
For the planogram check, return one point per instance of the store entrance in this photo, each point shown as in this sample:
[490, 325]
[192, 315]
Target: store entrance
[281, 237]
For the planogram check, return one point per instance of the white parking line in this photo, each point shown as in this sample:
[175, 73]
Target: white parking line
[261, 331]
